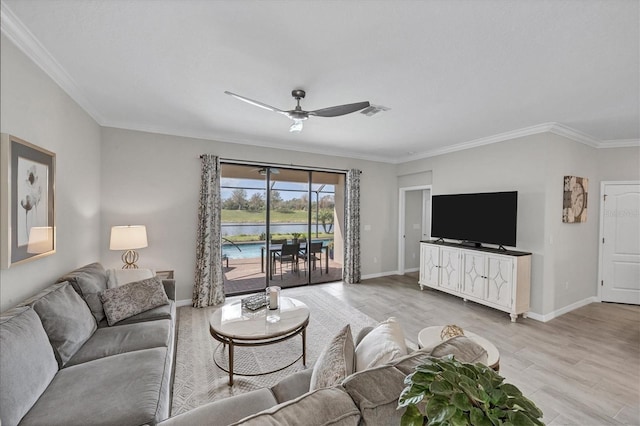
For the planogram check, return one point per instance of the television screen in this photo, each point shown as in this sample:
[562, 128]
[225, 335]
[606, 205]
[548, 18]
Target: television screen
[488, 217]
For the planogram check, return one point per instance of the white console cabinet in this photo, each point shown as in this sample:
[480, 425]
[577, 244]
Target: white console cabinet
[497, 278]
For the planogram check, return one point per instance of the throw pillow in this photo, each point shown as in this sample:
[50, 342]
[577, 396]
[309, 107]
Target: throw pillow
[133, 298]
[462, 348]
[335, 361]
[383, 344]
[66, 319]
[89, 281]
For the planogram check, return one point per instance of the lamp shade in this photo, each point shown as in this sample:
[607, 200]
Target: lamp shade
[40, 239]
[128, 237]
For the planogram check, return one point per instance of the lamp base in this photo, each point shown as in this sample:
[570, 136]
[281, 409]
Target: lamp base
[130, 257]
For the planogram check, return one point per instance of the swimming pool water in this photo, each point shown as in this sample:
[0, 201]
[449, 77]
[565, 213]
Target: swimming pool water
[250, 250]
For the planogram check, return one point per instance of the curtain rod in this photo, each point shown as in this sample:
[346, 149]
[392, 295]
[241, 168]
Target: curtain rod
[290, 166]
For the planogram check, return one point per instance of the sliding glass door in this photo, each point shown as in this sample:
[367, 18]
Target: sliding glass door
[280, 226]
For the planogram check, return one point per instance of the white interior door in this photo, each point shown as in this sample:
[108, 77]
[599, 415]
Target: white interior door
[620, 243]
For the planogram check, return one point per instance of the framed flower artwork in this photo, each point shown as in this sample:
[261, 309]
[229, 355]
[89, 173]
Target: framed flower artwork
[27, 198]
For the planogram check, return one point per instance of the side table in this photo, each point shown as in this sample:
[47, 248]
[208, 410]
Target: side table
[165, 275]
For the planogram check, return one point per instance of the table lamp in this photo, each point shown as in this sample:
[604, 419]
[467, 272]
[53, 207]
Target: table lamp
[128, 238]
[40, 239]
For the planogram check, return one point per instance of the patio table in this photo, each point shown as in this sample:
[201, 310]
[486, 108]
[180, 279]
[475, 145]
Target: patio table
[275, 248]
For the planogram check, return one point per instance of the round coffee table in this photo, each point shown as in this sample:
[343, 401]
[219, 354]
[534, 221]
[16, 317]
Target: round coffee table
[430, 336]
[234, 325]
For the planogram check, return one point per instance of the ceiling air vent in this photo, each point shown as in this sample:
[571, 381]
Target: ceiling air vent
[373, 110]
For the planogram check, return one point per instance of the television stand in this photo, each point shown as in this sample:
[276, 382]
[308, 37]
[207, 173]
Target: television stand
[493, 277]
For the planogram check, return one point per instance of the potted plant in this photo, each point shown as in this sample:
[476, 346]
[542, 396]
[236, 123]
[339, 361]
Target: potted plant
[295, 236]
[443, 391]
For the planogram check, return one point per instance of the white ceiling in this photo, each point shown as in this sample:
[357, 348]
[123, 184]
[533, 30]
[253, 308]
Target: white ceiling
[454, 73]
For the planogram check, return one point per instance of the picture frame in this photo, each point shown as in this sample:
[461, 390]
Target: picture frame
[27, 201]
[574, 199]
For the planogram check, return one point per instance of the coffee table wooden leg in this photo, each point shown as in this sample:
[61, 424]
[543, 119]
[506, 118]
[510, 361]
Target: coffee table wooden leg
[304, 346]
[230, 363]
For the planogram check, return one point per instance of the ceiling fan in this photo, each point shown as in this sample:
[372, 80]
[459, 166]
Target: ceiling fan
[298, 115]
[263, 170]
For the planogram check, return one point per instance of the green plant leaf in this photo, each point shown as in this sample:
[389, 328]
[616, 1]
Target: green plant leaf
[434, 406]
[510, 389]
[459, 419]
[423, 378]
[478, 418]
[410, 396]
[461, 401]
[412, 417]
[441, 387]
[471, 391]
[520, 419]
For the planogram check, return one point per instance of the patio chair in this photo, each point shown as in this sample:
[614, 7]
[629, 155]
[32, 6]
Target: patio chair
[288, 254]
[313, 252]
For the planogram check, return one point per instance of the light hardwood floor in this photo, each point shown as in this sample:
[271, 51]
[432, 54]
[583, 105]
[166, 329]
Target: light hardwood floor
[582, 368]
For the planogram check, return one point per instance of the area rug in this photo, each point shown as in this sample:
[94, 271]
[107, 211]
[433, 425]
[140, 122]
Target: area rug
[198, 380]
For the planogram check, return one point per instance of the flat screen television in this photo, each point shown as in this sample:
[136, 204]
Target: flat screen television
[488, 217]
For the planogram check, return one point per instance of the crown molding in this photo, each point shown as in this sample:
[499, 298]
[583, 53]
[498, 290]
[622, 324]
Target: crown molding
[620, 143]
[573, 134]
[225, 138]
[24, 39]
[501, 137]
[20, 35]
[551, 127]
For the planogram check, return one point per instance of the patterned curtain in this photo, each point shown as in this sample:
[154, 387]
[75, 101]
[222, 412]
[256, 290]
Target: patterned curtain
[209, 284]
[352, 228]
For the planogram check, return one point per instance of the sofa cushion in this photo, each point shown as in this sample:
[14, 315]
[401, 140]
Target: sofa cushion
[67, 320]
[27, 363]
[89, 281]
[383, 344]
[110, 341]
[375, 391]
[225, 411]
[292, 386]
[335, 362]
[328, 406]
[130, 388]
[133, 298]
[118, 277]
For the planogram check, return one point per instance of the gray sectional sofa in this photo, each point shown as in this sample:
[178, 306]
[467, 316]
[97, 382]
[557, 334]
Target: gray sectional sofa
[364, 398]
[61, 363]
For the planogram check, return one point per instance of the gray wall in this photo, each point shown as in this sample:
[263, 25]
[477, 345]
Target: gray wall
[154, 180]
[565, 256]
[108, 177]
[34, 108]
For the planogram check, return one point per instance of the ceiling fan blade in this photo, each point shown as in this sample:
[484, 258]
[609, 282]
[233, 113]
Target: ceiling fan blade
[256, 103]
[336, 111]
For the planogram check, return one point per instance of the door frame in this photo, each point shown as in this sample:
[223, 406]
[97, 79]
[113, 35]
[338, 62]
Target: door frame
[603, 184]
[402, 195]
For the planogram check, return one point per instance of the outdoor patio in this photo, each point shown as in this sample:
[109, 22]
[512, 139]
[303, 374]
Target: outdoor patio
[246, 276]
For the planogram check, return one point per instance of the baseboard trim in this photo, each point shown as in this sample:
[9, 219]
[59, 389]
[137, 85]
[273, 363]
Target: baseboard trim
[412, 270]
[183, 302]
[379, 275]
[562, 311]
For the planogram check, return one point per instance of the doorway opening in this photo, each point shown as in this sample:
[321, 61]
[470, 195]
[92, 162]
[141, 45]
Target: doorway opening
[414, 225]
[280, 226]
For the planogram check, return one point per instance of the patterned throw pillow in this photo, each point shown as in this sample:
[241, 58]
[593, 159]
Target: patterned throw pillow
[335, 362]
[131, 299]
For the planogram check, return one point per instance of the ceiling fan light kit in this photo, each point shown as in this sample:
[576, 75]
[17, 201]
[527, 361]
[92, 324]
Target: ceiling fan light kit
[298, 115]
